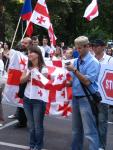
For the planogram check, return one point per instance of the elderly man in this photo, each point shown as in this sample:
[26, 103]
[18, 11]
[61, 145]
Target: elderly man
[83, 118]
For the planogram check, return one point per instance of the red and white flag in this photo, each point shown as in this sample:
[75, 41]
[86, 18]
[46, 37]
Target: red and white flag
[91, 11]
[18, 63]
[40, 15]
[52, 35]
[50, 89]
[40, 86]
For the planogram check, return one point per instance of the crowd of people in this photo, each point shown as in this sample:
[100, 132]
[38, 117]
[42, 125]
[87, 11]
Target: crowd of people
[87, 121]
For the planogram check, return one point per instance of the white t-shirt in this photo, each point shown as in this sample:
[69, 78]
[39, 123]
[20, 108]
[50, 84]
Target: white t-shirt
[1, 65]
[1, 70]
[106, 59]
[27, 92]
[47, 48]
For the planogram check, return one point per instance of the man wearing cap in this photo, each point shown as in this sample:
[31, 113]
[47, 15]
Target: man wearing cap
[103, 58]
[83, 119]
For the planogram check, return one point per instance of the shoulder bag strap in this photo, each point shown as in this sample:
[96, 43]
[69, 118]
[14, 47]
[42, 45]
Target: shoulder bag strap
[93, 106]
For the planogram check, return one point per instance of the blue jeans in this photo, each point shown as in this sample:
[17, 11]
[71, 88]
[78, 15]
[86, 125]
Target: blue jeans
[35, 111]
[103, 125]
[83, 125]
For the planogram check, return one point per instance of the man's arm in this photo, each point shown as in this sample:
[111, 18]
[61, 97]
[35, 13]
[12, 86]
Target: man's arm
[80, 76]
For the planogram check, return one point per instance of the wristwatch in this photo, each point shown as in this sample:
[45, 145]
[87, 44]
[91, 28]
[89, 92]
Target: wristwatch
[74, 70]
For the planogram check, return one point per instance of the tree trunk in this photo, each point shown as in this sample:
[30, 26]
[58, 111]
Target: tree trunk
[2, 23]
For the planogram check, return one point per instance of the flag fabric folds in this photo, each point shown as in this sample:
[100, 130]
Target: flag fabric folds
[52, 35]
[41, 17]
[91, 11]
[18, 64]
[26, 13]
[51, 89]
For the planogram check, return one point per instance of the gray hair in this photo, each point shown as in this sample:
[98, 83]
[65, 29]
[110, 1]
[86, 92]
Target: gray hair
[81, 41]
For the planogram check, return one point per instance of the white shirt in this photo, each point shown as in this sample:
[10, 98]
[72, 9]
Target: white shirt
[1, 70]
[47, 48]
[106, 59]
[28, 88]
[1, 65]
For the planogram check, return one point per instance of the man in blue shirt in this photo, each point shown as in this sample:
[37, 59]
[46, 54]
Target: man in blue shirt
[83, 119]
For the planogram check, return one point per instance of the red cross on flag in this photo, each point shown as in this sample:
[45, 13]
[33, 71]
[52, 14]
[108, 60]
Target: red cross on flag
[40, 15]
[48, 86]
[91, 11]
[18, 63]
[40, 86]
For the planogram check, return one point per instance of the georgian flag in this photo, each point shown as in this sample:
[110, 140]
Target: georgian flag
[40, 15]
[91, 11]
[50, 89]
[40, 86]
[52, 35]
[18, 63]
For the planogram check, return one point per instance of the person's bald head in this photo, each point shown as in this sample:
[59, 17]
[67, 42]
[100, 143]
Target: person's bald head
[26, 42]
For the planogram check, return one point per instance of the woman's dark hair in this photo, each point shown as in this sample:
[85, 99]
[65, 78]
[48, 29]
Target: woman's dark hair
[8, 43]
[37, 50]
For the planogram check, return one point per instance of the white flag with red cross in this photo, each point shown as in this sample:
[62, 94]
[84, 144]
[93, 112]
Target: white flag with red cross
[18, 63]
[40, 15]
[40, 86]
[50, 89]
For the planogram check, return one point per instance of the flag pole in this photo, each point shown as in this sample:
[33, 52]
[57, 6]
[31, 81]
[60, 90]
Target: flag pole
[25, 30]
[15, 33]
[22, 27]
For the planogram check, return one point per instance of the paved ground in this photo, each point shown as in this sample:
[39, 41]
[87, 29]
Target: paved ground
[57, 133]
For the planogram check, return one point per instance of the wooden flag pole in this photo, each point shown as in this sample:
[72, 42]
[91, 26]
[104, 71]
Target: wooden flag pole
[25, 30]
[15, 32]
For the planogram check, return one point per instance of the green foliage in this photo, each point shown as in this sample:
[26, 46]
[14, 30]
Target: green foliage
[67, 19]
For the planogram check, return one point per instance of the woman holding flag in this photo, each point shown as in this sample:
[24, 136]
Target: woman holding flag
[34, 107]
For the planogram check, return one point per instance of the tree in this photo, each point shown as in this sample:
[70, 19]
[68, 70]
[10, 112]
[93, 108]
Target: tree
[2, 24]
[67, 19]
